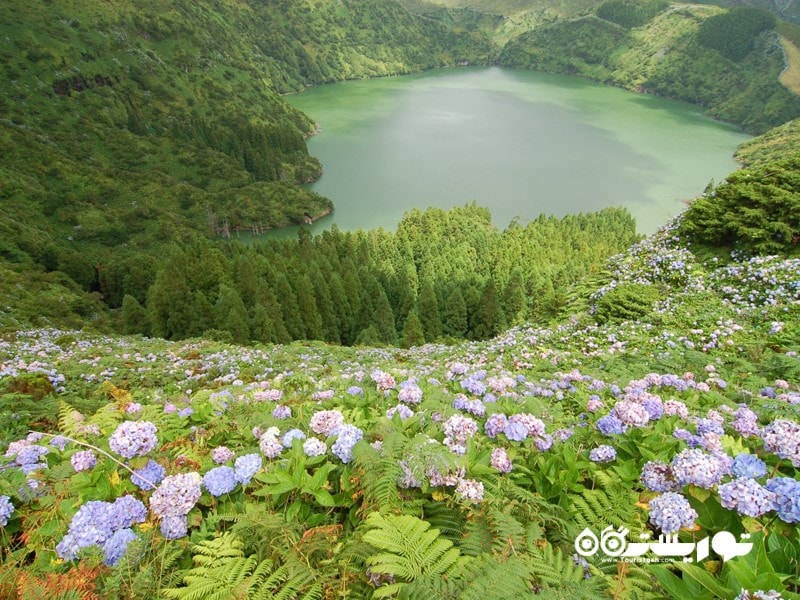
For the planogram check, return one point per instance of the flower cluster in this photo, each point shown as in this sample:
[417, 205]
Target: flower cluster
[787, 498]
[658, 477]
[100, 524]
[314, 447]
[149, 476]
[500, 460]
[670, 511]
[133, 438]
[222, 454]
[290, 436]
[220, 480]
[383, 380]
[6, 508]
[747, 497]
[269, 443]
[603, 454]
[347, 437]
[246, 467]
[410, 393]
[699, 468]
[282, 412]
[748, 465]
[173, 500]
[783, 438]
[325, 421]
[402, 410]
[457, 430]
[470, 490]
[83, 460]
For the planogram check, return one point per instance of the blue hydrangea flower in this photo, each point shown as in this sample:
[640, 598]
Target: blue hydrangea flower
[347, 437]
[515, 431]
[610, 425]
[30, 455]
[6, 508]
[783, 438]
[747, 497]
[291, 435]
[114, 548]
[787, 498]
[670, 511]
[354, 390]
[544, 443]
[748, 465]
[603, 454]
[705, 426]
[149, 476]
[220, 480]
[246, 466]
[59, 442]
[125, 511]
[402, 410]
[282, 412]
[133, 438]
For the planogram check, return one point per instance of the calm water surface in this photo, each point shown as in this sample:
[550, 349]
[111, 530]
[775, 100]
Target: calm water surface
[519, 142]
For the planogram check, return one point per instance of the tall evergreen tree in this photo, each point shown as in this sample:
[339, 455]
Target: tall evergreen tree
[514, 303]
[322, 295]
[289, 308]
[454, 313]
[134, 316]
[412, 331]
[428, 309]
[488, 319]
[232, 315]
[309, 312]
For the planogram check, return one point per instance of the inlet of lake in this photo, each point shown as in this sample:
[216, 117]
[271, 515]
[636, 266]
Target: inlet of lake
[519, 142]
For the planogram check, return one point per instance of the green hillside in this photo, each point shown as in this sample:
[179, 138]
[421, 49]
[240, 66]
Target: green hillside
[129, 125]
[674, 53]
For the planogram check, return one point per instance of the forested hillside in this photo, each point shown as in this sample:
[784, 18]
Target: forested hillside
[727, 61]
[130, 125]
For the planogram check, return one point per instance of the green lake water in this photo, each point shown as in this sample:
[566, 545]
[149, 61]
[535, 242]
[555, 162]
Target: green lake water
[519, 142]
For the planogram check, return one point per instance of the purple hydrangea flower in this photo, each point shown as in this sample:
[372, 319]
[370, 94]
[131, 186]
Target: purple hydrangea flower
[125, 511]
[658, 477]
[400, 409]
[603, 454]
[83, 460]
[270, 445]
[533, 425]
[631, 413]
[670, 511]
[59, 442]
[325, 421]
[133, 438]
[220, 480]
[174, 527]
[282, 412]
[544, 443]
[354, 390]
[246, 467]
[515, 431]
[221, 454]
[410, 394]
[705, 426]
[176, 495]
[696, 467]
[783, 438]
[149, 476]
[787, 498]
[495, 425]
[30, 455]
[748, 465]
[500, 460]
[747, 497]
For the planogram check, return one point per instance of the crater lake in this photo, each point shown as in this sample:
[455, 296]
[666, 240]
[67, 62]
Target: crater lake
[519, 142]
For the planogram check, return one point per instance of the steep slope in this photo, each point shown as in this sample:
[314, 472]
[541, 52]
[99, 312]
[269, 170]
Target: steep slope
[130, 125]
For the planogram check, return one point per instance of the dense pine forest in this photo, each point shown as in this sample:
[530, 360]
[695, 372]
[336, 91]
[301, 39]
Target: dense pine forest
[445, 410]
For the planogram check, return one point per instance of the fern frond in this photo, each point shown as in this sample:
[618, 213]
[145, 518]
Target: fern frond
[610, 504]
[553, 568]
[409, 548]
[450, 522]
[379, 473]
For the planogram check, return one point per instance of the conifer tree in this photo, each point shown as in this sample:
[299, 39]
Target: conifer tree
[514, 303]
[428, 309]
[322, 295]
[134, 316]
[309, 312]
[412, 331]
[488, 320]
[454, 313]
[231, 314]
[289, 308]
[384, 318]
